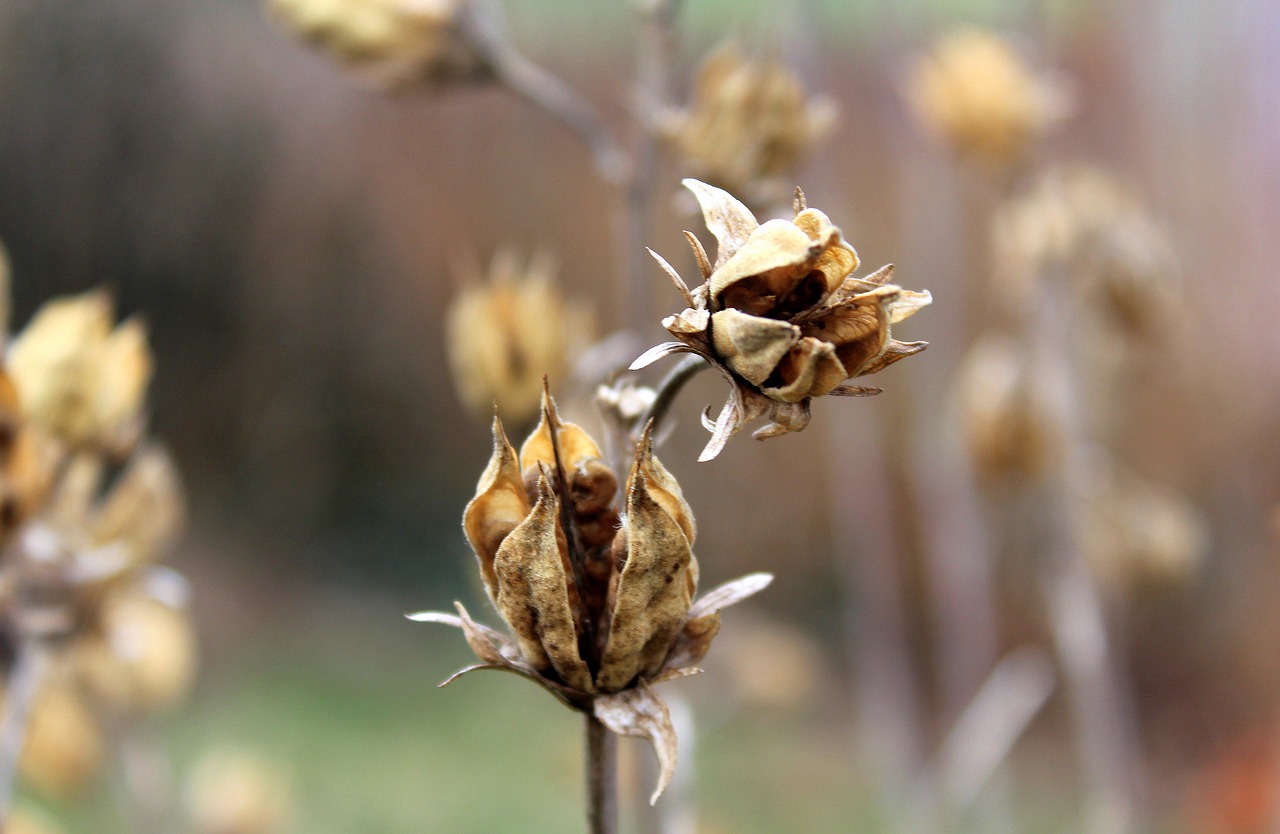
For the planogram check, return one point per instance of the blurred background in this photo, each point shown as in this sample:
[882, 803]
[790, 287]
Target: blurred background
[289, 233]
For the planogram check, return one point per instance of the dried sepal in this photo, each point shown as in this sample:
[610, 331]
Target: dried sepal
[671, 273]
[703, 622]
[499, 505]
[658, 580]
[640, 713]
[726, 217]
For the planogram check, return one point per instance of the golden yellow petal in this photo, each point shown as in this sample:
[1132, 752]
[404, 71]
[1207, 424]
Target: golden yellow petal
[499, 505]
[533, 592]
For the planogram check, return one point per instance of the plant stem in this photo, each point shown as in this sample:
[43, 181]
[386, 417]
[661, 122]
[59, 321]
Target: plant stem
[24, 686]
[670, 387]
[602, 778]
[546, 92]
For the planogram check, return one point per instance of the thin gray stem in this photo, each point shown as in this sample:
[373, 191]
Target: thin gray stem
[670, 388]
[24, 687]
[546, 91]
[602, 778]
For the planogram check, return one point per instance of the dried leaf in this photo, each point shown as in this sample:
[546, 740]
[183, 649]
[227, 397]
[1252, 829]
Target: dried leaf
[657, 352]
[144, 509]
[641, 713]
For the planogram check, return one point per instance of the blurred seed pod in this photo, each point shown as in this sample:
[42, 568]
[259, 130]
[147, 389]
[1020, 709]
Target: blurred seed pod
[64, 748]
[1080, 220]
[235, 791]
[78, 377]
[976, 92]
[1138, 533]
[504, 334]
[140, 655]
[749, 124]
[393, 42]
[1011, 411]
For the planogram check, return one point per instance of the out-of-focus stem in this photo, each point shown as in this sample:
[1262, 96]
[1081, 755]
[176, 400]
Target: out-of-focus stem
[1097, 692]
[602, 778]
[24, 687]
[655, 57]
[546, 91]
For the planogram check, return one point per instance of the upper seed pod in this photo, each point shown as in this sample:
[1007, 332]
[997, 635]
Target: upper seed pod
[396, 42]
[749, 123]
[781, 315]
[976, 92]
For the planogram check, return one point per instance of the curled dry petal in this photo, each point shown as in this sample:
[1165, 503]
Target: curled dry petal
[531, 567]
[500, 504]
[752, 346]
[641, 713]
[726, 217]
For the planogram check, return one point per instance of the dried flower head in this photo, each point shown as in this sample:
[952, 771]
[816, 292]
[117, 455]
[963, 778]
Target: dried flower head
[749, 123]
[507, 334]
[1011, 411]
[977, 93]
[1081, 220]
[598, 595]
[781, 316]
[80, 378]
[395, 42]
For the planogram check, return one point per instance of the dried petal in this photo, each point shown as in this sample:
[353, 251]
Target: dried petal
[500, 504]
[641, 713]
[533, 592]
[810, 369]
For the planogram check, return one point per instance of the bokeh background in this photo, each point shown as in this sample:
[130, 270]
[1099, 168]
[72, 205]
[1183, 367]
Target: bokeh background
[288, 232]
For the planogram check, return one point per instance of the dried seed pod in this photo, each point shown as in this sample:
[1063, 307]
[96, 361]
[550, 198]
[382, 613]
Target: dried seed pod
[64, 746]
[77, 377]
[508, 333]
[598, 611]
[748, 123]
[782, 317]
[394, 42]
[976, 93]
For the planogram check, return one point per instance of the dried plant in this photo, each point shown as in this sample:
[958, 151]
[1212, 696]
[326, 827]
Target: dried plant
[598, 596]
[781, 316]
[99, 630]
